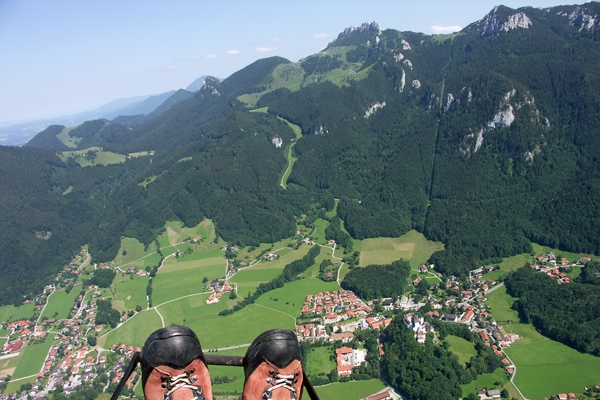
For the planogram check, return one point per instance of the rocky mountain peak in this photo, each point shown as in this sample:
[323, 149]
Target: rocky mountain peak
[373, 27]
[501, 19]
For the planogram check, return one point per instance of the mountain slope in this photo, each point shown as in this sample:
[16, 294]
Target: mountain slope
[486, 140]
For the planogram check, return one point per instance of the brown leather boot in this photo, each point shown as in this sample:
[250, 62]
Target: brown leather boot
[273, 367]
[173, 366]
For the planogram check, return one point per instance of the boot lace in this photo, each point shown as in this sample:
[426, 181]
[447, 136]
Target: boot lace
[181, 381]
[278, 381]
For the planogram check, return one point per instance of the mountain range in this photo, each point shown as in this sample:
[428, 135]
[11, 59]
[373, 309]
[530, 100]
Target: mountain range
[486, 140]
[140, 107]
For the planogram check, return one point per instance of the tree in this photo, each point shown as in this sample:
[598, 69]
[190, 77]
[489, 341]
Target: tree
[91, 340]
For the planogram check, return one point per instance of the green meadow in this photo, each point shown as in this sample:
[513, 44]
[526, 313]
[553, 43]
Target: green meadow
[319, 360]
[6, 312]
[101, 157]
[12, 313]
[60, 303]
[411, 246]
[134, 331]
[291, 296]
[248, 279]
[353, 390]
[231, 372]
[463, 349]
[133, 250]
[190, 308]
[319, 234]
[544, 367]
[238, 328]
[32, 360]
[128, 293]
[175, 284]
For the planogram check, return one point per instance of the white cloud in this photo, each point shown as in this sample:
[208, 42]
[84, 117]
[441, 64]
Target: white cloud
[211, 56]
[265, 49]
[233, 51]
[320, 35]
[435, 29]
[167, 68]
[275, 40]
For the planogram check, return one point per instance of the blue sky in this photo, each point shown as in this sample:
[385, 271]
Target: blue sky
[63, 56]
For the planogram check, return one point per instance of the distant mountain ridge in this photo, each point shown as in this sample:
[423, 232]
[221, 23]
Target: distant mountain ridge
[18, 134]
[485, 140]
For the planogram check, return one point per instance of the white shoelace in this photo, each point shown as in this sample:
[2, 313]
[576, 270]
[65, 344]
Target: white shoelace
[281, 381]
[183, 381]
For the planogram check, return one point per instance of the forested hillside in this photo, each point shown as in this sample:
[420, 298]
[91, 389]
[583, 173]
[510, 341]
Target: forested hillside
[486, 140]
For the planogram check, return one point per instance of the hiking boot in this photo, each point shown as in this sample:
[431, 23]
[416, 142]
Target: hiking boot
[173, 366]
[273, 367]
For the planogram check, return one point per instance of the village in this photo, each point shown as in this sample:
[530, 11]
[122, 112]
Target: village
[332, 316]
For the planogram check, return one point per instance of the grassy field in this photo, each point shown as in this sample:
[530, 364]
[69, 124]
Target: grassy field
[350, 390]
[544, 367]
[247, 280]
[231, 372]
[12, 313]
[60, 303]
[319, 235]
[70, 142]
[134, 250]
[319, 361]
[6, 312]
[13, 386]
[129, 293]
[290, 297]
[174, 284]
[190, 308]
[33, 358]
[238, 328]
[101, 157]
[412, 247]
[289, 153]
[133, 332]
[463, 349]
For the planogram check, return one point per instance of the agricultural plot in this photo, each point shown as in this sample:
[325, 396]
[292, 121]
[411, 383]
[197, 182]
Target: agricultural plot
[290, 298]
[412, 247]
[544, 367]
[14, 386]
[194, 261]
[130, 292]
[99, 157]
[132, 250]
[248, 279]
[463, 349]
[22, 312]
[353, 390]
[6, 312]
[236, 373]
[175, 284]
[319, 361]
[241, 327]
[192, 308]
[60, 303]
[133, 332]
[319, 235]
[33, 357]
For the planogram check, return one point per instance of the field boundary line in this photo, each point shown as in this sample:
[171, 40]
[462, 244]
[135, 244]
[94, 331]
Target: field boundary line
[279, 311]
